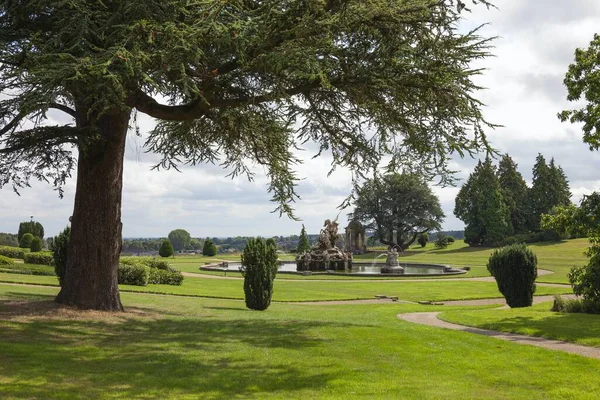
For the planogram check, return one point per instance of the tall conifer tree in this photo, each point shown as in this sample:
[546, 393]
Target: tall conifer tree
[514, 191]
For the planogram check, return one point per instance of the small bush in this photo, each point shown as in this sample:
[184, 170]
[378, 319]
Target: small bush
[13, 252]
[575, 306]
[6, 261]
[160, 264]
[165, 277]
[450, 239]
[442, 241]
[423, 239]
[60, 247]
[166, 249]
[28, 269]
[209, 248]
[36, 245]
[138, 275]
[259, 267]
[39, 258]
[515, 270]
[25, 242]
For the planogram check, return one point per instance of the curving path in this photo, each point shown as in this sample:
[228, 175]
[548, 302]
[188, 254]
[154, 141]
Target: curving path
[431, 319]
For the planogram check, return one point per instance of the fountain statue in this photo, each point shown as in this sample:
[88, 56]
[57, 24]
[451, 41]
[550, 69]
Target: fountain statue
[391, 263]
[325, 256]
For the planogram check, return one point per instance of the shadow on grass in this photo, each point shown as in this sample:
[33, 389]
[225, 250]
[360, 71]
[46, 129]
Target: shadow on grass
[460, 250]
[151, 355]
[580, 328]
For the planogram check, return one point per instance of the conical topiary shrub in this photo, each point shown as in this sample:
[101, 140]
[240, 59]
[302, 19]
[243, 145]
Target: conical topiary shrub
[259, 267]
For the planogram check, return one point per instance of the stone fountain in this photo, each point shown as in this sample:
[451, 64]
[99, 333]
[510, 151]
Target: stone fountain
[391, 263]
[325, 256]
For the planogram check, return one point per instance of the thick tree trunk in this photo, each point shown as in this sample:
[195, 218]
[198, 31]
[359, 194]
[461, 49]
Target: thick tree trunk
[93, 258]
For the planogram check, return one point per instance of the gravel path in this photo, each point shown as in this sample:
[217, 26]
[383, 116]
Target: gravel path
[431, 319]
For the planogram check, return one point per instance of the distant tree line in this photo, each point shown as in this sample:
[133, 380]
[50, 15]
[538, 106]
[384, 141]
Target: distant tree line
[498, 208]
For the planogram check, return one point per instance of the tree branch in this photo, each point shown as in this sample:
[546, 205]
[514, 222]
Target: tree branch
[197, 109]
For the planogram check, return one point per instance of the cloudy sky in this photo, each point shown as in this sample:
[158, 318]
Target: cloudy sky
[536, 41]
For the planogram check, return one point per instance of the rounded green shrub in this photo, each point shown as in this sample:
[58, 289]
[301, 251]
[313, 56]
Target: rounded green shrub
[515, 270]
[36, 245]
[160, 264]
[60, 247]
[209, 249]
[6, 261]
[259, 267]
[423, 239]
[25, 242]
[450, 239]
[165, 277]
[137, 275]
[39, 258]
[166, 249]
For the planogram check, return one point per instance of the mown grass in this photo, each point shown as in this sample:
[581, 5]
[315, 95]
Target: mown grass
[558, 257]
[534, 321]
[28, 269]
[182, 348]
[315, 290]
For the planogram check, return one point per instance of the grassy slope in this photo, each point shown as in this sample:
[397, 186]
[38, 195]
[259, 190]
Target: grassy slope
[311, 290]
[216, 349]
[535, 321]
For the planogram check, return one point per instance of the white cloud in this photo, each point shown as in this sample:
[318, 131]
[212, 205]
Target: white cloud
[536, 41]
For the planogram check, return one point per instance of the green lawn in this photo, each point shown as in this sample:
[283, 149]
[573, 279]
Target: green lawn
[535, 321]
[558, 257]
[314, 290]
[189, 348]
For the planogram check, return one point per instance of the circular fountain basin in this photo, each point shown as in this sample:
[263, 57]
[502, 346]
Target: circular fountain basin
[358, 269]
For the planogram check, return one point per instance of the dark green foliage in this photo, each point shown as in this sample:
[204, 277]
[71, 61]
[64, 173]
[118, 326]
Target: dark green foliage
[36, 245]
[35, 228]
[180, 239]
[9, 239]
[6, 261]
[480, 205]
[535, 237]
[209, 249]
[25, 242]
[515, 270]
[39, 258]
[450, 239]
[586, 280]
[138, 275]
[60, 248]
[514, 192]
[13, 252]
[575, 306]
[271, 242]
[583, 83]
[442, 241]
[166, 249]
[303, 243]
[549, 189]
[398, 207]
[259, 267]
[423, 239]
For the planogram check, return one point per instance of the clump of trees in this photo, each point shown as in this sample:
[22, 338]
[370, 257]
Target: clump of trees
[515, 270]
[499, 208]
[25, 241]
[33, 227]
[259, 268]
[398, 208]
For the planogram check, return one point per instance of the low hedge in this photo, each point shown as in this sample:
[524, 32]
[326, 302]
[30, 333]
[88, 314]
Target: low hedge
[28, 269]
[137, 275]
[6, 261]
[165, 277]
[40, 258]
[13, 252]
